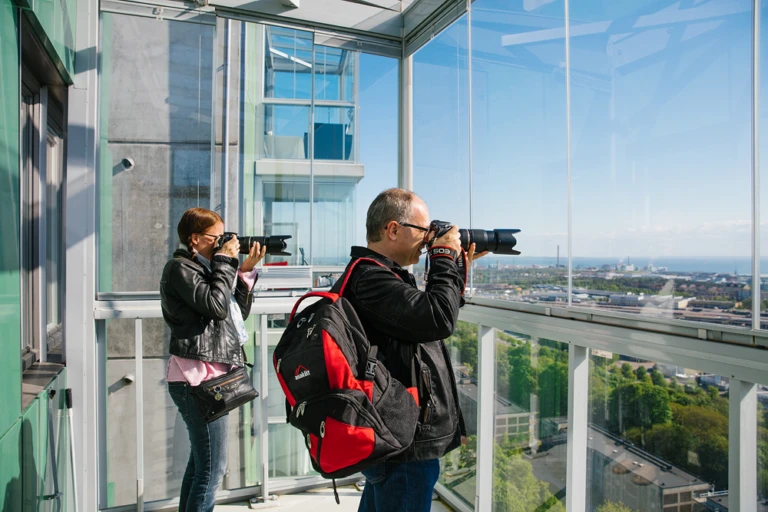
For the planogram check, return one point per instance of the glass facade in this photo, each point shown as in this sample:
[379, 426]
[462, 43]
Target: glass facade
[626, 162]
[652, 114]
[639, 241]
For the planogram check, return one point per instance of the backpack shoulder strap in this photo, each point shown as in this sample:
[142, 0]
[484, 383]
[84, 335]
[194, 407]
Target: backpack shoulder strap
[327, 295]
[351, 267]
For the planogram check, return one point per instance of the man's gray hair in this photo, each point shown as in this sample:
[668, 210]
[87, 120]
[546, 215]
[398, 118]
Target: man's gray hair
[392, 204]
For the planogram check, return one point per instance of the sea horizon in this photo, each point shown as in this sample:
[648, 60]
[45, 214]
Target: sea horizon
[705, 264]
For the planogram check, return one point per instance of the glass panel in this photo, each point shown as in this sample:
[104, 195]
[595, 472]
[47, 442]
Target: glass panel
[163, 426]
[441, 125]
[29, 170]
[344, 190]
[287, 63]
[156, 92]
[120, 369]
[54, 222]
[274, 149]
[762, 163]
[655, 109]
[519, 173]
[335, 133]
[658, 434]
[286, 132]
[458, 469]
[334, 74]
[531, 422]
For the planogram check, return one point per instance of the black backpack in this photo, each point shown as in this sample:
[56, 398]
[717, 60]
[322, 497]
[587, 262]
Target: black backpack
[352, 413]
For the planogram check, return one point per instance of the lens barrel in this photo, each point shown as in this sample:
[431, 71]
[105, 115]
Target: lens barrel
[497, 241]
[275, 244]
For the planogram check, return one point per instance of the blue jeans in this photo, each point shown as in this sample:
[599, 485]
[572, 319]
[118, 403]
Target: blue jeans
[208, 455]
[400, 486]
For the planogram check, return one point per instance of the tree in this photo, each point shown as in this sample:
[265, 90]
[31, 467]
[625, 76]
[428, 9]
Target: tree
[516, 489]
[636, 404]
[669, 442]
[626, 370]
[658, 379]
[610, 506]
[640, 373]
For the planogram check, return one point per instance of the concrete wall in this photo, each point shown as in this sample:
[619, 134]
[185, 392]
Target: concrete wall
[158, 102]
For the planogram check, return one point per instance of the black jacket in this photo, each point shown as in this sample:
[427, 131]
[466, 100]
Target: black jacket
[408, 325]
[195, 305]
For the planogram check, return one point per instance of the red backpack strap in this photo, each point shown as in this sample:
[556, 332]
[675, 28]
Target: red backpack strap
[351, 267]
[326, 295]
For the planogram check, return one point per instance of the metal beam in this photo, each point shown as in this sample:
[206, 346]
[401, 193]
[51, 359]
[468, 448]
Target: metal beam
[405, 123]
[742, 440]
[578, 394]
[486, 416]
[80, 247]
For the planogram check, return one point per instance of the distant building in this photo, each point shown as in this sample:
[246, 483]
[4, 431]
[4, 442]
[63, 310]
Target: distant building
[670, 371]
[623, 473]
[721, 383]
[596, 352]
[719, 503]
[626, 300]
[511, 419]
[711, 304]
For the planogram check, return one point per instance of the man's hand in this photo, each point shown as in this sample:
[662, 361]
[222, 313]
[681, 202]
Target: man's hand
[450, 239]
[255, 255]
[471, 256]
[231, 248]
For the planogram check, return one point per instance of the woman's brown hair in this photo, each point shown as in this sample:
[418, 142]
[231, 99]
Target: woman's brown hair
[195, 220]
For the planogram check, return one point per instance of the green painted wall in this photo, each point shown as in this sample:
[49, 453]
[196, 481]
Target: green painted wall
[10, 287]
[26, 469]
[10, 477]
[55, 22]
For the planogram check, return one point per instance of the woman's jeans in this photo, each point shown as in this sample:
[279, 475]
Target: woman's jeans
[208, 457]
[400, 486]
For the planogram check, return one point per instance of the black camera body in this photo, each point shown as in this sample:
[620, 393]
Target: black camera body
[497, 241]
[275, 244]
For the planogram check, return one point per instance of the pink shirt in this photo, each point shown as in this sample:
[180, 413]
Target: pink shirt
[194, 372]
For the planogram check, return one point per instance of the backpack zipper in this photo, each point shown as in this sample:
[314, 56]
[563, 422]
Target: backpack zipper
[300, 409]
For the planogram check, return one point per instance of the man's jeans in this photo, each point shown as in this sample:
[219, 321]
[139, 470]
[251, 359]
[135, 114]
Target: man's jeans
[400, 486]
[208, 456]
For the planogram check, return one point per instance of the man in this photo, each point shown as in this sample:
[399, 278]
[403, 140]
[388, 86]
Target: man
[408, 326]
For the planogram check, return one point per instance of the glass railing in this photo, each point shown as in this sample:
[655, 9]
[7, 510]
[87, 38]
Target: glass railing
[653, 427]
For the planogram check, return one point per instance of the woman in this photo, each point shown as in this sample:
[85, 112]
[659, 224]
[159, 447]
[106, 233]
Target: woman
[205, 299]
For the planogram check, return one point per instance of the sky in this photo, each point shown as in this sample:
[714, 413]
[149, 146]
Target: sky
[660, 126]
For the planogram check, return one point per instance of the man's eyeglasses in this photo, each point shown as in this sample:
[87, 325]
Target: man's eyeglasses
[420, 228]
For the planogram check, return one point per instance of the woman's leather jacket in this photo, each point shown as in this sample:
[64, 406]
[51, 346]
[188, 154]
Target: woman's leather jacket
[195, 304]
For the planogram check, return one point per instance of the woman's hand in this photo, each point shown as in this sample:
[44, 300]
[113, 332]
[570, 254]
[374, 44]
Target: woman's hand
[255, 255]
[471, 256]
[231, 248]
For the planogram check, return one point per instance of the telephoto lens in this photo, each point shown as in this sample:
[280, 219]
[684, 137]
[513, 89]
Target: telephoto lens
[497, 241]
[275, 244]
